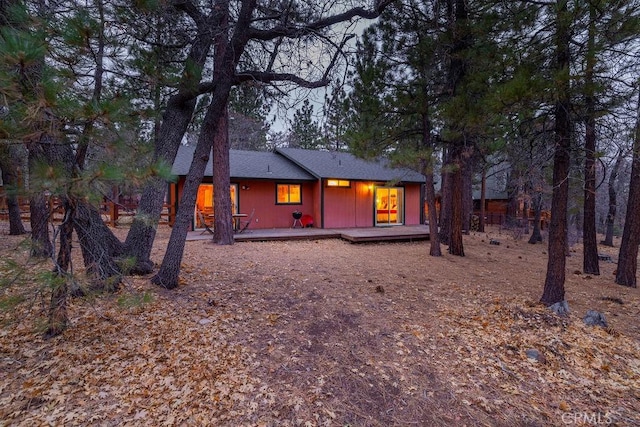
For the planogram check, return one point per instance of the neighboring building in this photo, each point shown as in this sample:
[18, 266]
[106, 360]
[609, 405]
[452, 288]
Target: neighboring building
[496, 197]
[337, 189]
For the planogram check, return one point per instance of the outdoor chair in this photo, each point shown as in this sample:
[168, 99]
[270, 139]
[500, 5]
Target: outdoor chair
[306, 221]
[245, 223]
[204, 224]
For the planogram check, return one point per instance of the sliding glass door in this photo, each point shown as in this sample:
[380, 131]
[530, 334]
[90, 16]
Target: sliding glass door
[389, 209]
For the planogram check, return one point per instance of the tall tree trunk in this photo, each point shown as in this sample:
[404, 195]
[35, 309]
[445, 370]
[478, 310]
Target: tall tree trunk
[426, 166]
[536, 235]
[223, 230]
[227, 54]
[29, 78]
[445, 198]
[525, 213]
[142, 233]
[175, 121]
[41, 246]
[16, 227]
[467, 188]
[554, 284]
[483, 200]
[613, 200]
[456, 246]
[100, 248]
[434, 236]
[221, 167]
[457, 71]
[589, 236]
[58, 307]
[9, 161]
[168, 274]
[590, 264]
[628, 255]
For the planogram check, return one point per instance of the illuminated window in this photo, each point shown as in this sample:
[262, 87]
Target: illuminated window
[338, 183]
[288, 194]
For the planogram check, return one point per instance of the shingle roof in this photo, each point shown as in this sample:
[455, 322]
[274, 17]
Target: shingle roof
[246, 164]
[301, 165]
[341, 165]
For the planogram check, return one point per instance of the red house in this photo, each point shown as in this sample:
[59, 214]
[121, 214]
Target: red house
[335, 189]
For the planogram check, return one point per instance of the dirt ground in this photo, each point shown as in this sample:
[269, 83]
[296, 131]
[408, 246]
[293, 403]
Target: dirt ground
[325, 333]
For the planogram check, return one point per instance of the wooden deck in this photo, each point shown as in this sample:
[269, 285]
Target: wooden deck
[353, 235]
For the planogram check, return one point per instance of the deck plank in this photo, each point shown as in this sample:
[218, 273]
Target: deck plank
[353, 235]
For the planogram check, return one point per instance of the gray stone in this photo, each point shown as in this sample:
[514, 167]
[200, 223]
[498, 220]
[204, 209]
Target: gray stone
[534, 354]
[560, 308]
[125, 220]
[595, 318]
[605, 257]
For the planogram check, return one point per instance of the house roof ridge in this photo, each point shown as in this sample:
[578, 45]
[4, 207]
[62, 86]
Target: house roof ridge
[346, 165]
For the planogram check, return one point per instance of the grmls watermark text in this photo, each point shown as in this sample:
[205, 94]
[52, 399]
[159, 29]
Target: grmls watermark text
[587, 418]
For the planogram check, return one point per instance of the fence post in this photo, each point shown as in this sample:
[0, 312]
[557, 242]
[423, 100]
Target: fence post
[113, 206]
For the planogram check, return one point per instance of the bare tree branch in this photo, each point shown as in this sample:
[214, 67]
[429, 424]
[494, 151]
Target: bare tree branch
[295, 31]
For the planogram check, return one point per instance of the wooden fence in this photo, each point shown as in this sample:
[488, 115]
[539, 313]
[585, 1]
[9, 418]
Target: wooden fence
[501, 219]
[112, 213]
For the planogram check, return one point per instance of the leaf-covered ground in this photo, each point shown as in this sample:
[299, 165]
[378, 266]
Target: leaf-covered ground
[317, 333]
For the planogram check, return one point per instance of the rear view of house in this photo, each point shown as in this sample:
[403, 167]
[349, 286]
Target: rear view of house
[332, 189]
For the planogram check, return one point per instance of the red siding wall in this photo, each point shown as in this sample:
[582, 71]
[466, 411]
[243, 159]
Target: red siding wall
[343, 207]
[349, 207]
[261, 195]
[412, 204]
[317, 205]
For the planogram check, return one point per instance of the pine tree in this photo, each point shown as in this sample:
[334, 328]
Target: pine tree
[74, 124]
[389, 113]
[249, 107]
[613, 199]
[335, 126]
[412, 95]
[305, 130]
[26, 86]
[554, 284]
[172, 115]
[628, 254]
[590, 244]
[11, 159]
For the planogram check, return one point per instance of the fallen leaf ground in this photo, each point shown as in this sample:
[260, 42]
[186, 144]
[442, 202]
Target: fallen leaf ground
[325, 333]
